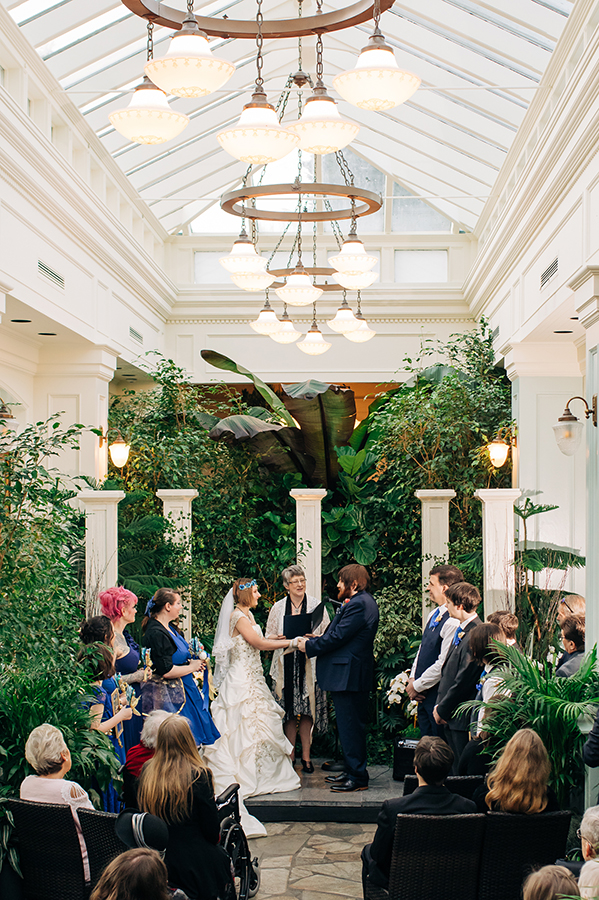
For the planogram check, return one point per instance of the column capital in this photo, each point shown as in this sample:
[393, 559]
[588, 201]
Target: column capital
[426, 495]
[488, 495]
[308, 493]
[102, 498]
[541, 359]
[184, 494]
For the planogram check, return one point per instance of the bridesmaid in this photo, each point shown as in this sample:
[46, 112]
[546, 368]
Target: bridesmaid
[170, 655]
[120, 606]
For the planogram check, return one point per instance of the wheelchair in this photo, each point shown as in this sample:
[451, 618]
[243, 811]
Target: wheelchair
[246, 871]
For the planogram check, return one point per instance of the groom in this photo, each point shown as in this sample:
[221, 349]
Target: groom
[345, 667]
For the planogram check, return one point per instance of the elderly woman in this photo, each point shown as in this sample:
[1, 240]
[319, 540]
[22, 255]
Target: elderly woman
[120, 606]
[49, 757]
[140, 754]
[294, 677]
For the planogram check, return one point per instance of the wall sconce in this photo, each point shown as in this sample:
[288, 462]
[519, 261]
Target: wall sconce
[568, 431]
[119, 449]
[498, 449]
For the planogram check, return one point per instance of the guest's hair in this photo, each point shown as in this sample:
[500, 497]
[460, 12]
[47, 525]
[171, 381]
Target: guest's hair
[355, 573]
[114, 599]
[509, 625]
[292, 572]
[589, 827]
[573, 629]
[137, 874]
[149, 732]
[550, 883]
[243, 596]
[447, 574]
[481, 642]
[44, 748]
[574, 603]
[463, 594]
[433, 759]
[518, 782]
[588, 880]
[96, 657]
[97, 630]
[494, 618]
[161, 598]
[166, 780]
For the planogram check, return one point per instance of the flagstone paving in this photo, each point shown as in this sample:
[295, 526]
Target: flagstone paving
[311, 860]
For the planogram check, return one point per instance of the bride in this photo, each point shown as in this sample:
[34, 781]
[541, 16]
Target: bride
[252, 749]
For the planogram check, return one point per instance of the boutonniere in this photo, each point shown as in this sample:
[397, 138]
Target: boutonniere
[458, 636]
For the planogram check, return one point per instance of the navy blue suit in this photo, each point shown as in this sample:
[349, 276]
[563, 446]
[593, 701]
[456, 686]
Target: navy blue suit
[345, 668]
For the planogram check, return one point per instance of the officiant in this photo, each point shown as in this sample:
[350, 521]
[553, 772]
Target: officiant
[293, 676]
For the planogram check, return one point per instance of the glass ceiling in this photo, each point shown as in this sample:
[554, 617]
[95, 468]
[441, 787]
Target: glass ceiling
[480, 62]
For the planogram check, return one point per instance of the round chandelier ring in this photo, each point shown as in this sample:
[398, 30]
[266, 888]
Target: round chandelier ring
[354, 14]
[311, 270]
[366, 202]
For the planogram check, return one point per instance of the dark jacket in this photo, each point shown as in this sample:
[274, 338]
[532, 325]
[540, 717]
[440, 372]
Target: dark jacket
[431, 800]
[590, 751]
[161, 646]
[571, 665]
[459, 677]
[345, 658]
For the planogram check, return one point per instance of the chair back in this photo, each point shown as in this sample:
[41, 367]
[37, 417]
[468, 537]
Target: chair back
[464, 785]
[100, 839]
[49, 851]
[514, 845]
[436, 857]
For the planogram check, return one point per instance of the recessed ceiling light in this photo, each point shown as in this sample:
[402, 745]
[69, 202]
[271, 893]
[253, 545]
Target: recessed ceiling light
[563, 332]
[47, 333]
[20, 320]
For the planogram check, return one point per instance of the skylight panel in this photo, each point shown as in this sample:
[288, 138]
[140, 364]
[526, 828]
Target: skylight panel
[81, 32]
[33, 8]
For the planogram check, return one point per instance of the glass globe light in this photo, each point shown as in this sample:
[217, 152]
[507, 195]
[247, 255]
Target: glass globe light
[352, 259]
[148, 119]
[361, 334]
[288, 333]
[344, 320]
[119, 452]
[243, 258]
[189, 69]
[498, 451]
[376, 82]
[355, 282]
[267, 322]
[299, 290]
[568, 434]
[320, 128]
[258, 138]
[314, 344]
[253, 281]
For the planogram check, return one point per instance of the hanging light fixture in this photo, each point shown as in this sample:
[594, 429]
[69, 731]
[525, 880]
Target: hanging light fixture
[243, 259]
[288, 333]
[320, 128]
[363, 333]
[148, 119]
[355, 282]
[568, 431]
[313, 343]
[376, 82]
[189, 69]
[352, 259]
[299, 290]
[344, 320]
[253, 281]
[258, 138]
[267, 322]
[119, 451]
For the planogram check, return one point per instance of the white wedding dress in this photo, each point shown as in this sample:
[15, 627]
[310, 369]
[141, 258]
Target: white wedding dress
[252, 749]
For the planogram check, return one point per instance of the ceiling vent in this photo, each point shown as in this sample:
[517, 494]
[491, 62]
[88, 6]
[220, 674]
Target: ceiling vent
[50, 274]
[135, 335]
[549, 272]
[495, 334]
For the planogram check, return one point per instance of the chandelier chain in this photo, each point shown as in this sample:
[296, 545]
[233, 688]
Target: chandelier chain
[293, 246]
[319, 64]
[348, 175]
[279, 242]
[150, 49]
[190, 7]
[334, 224]
[359, 302]
[314, 322]
[299, 40]
[259, 44]
[377, 15]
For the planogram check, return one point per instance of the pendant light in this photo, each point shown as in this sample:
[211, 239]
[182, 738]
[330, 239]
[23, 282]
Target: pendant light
[376, 82]
[299, 289]
[243, 258]
[267, 322]
[148, 119]
[344, 320]
[288, 333]
[258, 138]
[313, 343]
[119, 451]
[189, 69]
[352, 259]
[363, 333]
[253, 281]
[320, 128]
[355, 282]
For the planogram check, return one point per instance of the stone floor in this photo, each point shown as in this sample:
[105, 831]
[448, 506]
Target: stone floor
[311, 860]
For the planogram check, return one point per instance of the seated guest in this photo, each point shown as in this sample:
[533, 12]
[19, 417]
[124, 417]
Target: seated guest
[134, 875]
[589, 833]
[550, 883]
[141, 753]
[573, 628]
[432, 763]
[588, 880]
[569, 605]
[518, 781]
[48, 755]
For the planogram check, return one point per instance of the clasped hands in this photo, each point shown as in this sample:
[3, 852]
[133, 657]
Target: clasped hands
[412, 693]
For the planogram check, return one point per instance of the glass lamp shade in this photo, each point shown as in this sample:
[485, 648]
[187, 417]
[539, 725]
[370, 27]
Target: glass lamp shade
[189, 69]
[314, 344]
[299, 290]
[498, 451]
[287, 333]
[320, 128]
[568, 435]
[258, 138]
[344, 321]
[355, 282]
[352, 259]
[148, 119]
[267, 322]
[119, 452]
[361, 334]
[243, 258]
[253, 281]
[376, 82]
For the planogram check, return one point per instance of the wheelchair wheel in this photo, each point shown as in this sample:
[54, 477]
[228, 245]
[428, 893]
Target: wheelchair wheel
[254, 877]
[236, 845]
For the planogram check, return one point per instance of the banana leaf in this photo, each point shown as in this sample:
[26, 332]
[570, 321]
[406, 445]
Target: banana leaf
[223, 362]
[276, 446]
[326, 415]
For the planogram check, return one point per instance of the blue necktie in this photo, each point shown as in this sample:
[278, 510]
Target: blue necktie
[435, 619]
[456, 637]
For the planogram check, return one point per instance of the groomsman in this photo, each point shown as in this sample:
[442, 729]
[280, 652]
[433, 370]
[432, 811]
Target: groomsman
[436, 643]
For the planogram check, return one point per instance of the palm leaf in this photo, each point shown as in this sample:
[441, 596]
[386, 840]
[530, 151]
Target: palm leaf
[223, 362]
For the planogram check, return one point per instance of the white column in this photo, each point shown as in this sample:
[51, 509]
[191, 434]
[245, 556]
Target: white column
[498, 547]
[308, 539]
[435, 536]
[101, 543]
[5, 289]
[176, 507]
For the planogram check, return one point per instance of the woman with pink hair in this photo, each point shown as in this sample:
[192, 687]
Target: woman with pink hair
[120, 606]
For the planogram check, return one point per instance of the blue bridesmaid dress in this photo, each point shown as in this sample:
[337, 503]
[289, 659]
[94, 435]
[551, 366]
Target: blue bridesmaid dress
[108, 695]
[196, 706]
[127, 665]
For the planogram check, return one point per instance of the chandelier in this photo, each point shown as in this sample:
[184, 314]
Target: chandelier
[287, 334]
[313, 343]
[363, 333]
[344, 320]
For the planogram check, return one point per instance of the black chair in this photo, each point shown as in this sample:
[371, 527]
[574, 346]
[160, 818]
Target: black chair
[464, 785]
[100, 839]
[49, 851]
[433, 857]
[514, 845]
